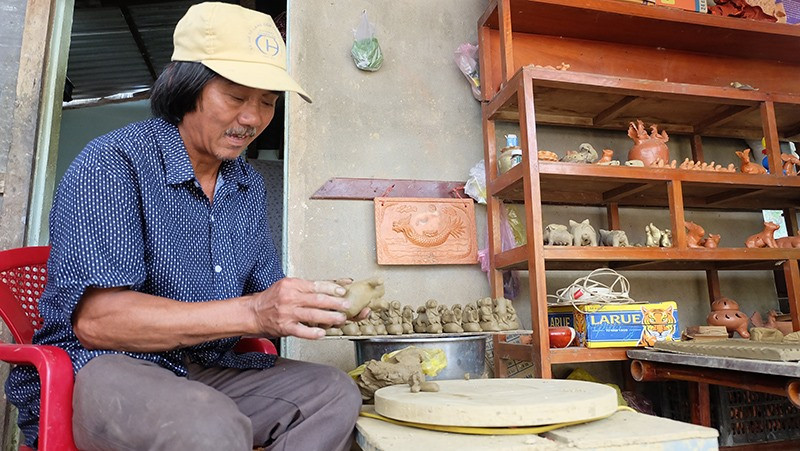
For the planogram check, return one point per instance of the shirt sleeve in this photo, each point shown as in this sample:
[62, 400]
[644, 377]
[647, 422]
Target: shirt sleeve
[96, 226]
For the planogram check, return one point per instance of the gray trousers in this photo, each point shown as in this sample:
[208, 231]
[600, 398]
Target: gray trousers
[122, 403]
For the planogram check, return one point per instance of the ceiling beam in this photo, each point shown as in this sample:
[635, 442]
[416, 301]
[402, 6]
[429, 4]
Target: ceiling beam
[137, 37]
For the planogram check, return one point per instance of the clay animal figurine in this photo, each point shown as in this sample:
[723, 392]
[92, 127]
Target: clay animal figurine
[711, 242]
[392, 319]
[653, 235]
[407, 316]
[725, 312]
[470, 318]
[334, 332]
[451, 323]
[377, 323]
[421, 320]
[365, 293]
[648, 147]
[351, 328]
[557, 235]
[511, 319]
[434, 320]
[607, 159]
[789, 241]
[789, 163]
[635, 163]
[584, 154]
[694, 235]
[764, 238]
[486, 315]
[748, 167]
[614, 238]
[366, 327]
[583, 233]
[666, 238]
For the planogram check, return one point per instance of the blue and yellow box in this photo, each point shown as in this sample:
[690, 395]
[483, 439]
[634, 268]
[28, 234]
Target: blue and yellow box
[619, 325]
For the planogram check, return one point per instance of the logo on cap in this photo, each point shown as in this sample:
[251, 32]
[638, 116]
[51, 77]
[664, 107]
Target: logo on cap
[267, 44]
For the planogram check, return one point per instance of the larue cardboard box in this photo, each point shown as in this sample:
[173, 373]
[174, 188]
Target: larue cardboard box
[619, 325]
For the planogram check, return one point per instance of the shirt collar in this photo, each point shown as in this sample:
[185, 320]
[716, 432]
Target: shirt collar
[179, 169]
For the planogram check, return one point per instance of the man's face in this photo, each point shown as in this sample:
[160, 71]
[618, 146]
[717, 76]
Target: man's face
[227, 119]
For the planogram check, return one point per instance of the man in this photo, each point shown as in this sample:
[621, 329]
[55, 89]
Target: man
[162, 258]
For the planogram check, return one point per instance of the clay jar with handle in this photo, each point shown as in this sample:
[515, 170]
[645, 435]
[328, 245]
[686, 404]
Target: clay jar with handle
[725, 312]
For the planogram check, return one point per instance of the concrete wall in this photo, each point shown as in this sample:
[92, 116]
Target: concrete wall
[415, 118]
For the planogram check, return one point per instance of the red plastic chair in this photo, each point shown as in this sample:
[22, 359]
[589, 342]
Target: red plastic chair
[23, 273]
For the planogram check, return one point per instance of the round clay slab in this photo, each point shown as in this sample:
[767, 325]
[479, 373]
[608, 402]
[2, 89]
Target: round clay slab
[498, 402]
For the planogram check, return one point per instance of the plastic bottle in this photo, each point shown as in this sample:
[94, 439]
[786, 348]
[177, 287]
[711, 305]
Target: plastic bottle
[510, 155]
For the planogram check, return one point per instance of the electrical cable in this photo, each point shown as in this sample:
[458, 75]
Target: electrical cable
[591, 290]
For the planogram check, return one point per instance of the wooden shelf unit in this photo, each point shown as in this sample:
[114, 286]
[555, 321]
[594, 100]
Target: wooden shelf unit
[683, 83]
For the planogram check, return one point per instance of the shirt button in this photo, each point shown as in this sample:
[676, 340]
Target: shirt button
[218, 268]
[212, 218]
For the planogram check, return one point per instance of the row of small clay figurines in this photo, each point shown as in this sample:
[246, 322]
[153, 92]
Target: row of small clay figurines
[583, 234]
[650, 149]
[483, 315]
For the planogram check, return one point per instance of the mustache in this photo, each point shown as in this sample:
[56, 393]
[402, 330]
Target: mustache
[242, 131]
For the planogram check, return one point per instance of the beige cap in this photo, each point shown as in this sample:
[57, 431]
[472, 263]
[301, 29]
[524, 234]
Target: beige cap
[240, 44]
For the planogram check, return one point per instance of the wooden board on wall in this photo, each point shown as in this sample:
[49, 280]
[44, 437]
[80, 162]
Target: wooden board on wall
[425, 231]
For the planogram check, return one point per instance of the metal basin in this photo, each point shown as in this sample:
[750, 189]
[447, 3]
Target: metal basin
[465, 353]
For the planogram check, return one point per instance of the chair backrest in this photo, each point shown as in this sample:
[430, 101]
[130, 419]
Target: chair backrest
[23, 274]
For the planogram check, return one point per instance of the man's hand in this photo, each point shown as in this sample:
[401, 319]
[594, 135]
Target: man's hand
[290, 305]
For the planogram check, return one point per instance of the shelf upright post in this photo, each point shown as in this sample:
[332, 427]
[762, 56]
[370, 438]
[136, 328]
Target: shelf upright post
[792, 275]
[675, 194]
[506, 39]
[770, 125]
[540, 349]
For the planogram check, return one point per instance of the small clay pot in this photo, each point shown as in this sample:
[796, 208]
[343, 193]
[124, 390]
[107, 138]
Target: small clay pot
[561, 337]
[649, 151]
[733, 320]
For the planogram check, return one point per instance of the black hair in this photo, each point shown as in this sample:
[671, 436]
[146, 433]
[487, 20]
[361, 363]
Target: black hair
[177, 90]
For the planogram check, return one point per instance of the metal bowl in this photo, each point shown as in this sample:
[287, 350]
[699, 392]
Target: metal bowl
[465, 353]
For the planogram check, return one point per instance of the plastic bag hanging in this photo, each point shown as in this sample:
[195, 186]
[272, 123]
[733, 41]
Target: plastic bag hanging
[466, 58]
[366, 51]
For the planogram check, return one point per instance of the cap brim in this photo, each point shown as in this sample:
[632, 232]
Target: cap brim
[256, 75]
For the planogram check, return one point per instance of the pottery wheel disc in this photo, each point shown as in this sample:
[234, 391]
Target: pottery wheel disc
[498, 402]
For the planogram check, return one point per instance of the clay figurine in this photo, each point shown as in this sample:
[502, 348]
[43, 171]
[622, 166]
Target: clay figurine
[583, 233]
[486, 315]
[584, 154]
[470, 318]
[499, 312]
[407, 316]
[764, 238]
[666, 238]
[377, 322]
[725, 312]
[635, 163]
[789, 241]
[351, 328]
[546, 155]
[711, 242]
[607, 158]
[789, 163]
[365, 293]
[509, 319]
[366, 327]
[648, 148]
[557, 235]
[766, 334]
[434, 320]
[392, 320]
[450, 322]
[421, 321]
[615, 238]
[748, 167]
[694, 235]
[653, 235]
[333, 332]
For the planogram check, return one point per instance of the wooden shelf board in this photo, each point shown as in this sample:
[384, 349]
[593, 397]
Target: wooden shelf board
[648, 258]
[575, 99]
[652, 26]
[572, 354]
[583, 184]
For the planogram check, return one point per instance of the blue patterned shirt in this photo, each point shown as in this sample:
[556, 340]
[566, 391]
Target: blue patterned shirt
[130, 213]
